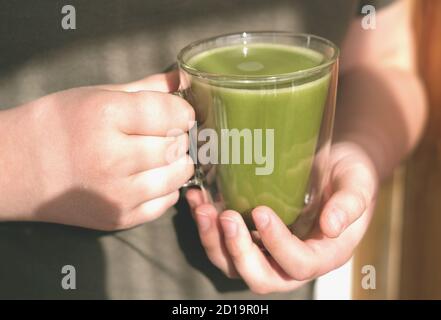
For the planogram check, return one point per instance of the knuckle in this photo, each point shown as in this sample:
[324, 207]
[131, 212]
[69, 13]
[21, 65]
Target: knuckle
[153, 184]
[158, 99]
[108, 111]
[184, 141]
[168, 183]
[159, 103]
[183, 107]
[359, 200]
[183, 168]
[155, 102]
[176, 148]
[109, 104]
[189, 167]
[191, 112]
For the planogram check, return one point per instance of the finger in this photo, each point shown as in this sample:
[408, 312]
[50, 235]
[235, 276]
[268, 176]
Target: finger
[158, 182]
[353, 191]
[342, 209]
[156, 114]
[211, 238]
[334, 252]
[261, 274]
[162, 82]
[299, 261]
[194, 198]
[152, 209]
[149, 152]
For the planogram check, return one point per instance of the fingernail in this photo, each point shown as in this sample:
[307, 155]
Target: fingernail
[337, 220]
[203, 222]
[261, 219]
[229, 226]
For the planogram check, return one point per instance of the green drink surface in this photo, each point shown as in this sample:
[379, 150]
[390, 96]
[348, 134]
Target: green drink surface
[293, 110]
[256, 60]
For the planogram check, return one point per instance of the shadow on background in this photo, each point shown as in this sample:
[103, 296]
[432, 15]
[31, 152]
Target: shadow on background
[32, 255]
[190, 245]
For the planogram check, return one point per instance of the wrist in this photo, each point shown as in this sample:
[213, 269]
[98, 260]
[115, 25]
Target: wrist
[18, 187]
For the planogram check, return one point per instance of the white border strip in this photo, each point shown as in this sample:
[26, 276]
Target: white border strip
[335, 285]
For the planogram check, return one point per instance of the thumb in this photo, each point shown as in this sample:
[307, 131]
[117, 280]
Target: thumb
[353, 182]
[162, 82]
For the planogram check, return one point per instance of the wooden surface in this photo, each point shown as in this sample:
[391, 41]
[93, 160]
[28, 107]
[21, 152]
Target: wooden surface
[421, 262]
[381, 246]
[421, 271]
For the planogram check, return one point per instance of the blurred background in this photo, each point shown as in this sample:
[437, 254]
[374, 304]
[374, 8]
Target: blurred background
[404, 238]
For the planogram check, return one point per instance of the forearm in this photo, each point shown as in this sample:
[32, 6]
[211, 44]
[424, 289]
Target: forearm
[382, 110]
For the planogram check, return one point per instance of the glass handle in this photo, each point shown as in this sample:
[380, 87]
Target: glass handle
[178, 93]
[196, 180]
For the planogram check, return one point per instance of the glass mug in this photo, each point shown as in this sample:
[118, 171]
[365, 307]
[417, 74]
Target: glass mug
[262, 139]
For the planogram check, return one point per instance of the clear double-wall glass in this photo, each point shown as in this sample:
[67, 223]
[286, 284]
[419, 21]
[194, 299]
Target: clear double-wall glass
[262, 139]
